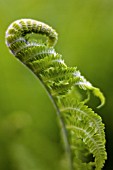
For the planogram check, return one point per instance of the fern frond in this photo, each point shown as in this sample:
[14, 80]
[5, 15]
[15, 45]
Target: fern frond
[83, 129]
[82, 123]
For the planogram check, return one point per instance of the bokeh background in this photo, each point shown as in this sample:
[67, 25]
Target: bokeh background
[29, 130]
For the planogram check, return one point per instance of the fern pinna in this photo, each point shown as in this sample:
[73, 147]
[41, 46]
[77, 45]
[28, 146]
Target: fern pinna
[32, 42]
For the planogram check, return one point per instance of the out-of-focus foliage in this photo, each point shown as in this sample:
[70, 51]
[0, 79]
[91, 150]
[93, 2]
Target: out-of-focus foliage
[29, 130]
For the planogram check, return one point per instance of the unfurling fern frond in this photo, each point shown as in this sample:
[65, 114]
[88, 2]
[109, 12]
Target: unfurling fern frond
[83, 129]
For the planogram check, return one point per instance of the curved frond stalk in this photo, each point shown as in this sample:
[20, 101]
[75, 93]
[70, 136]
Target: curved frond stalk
[82, 129]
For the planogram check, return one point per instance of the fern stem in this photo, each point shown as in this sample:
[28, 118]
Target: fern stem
[63, 128]
[64, 135]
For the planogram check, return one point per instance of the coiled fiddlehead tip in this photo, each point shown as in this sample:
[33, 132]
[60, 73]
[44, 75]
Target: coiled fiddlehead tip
[18, 29]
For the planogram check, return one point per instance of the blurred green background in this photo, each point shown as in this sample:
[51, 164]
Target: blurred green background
[29, 130]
